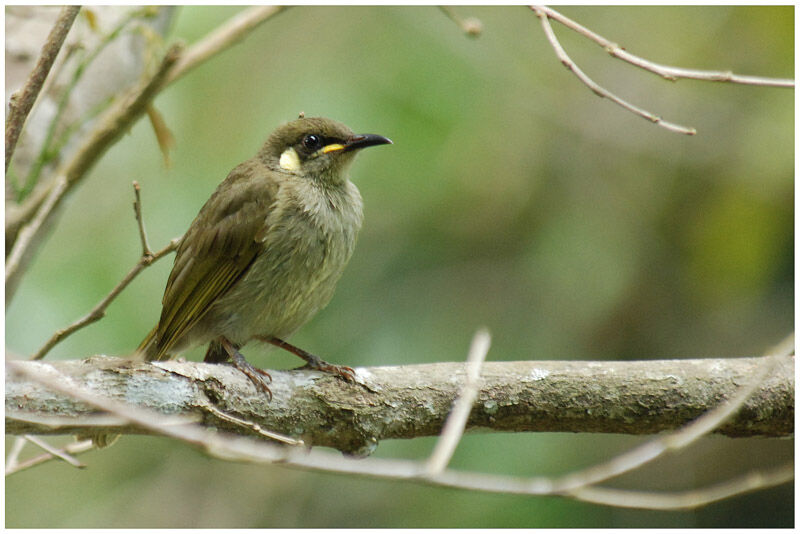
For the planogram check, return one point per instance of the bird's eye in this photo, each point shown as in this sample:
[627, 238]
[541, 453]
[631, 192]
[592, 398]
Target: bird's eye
[312, 142]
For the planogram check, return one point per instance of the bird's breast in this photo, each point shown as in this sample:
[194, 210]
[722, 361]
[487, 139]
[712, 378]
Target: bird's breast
[306, 246]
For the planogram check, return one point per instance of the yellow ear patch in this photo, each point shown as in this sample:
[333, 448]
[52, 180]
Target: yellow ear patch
[290, 161]
[332, 148]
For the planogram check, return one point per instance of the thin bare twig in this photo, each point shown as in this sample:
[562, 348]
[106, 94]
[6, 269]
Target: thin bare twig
[471, 26]
[22, 103]
[137, 210]
[58, 453]
[98, 311]
[71, 449]
[281, 438]
[12, 459]
[47, 150]
[665, 71]
[690, 499]
[598, 89]
[226, 35]
[454, 426]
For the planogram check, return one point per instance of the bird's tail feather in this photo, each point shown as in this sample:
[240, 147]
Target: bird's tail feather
[148, 348]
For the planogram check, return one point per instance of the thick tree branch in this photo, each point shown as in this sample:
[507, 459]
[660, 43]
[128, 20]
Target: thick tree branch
[641, 397]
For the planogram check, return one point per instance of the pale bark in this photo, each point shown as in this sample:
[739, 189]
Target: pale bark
[635, 397]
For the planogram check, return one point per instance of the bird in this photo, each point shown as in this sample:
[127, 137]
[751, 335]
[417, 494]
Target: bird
[266, 250]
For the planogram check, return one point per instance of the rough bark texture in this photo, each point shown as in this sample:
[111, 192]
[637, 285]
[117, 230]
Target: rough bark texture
[639, 397]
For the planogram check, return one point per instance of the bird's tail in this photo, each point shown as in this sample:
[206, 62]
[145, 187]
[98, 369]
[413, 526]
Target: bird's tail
[148, 348]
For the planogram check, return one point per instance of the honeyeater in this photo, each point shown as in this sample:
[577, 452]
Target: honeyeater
[264, 253]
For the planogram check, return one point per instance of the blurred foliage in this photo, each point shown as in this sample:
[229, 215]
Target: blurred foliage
[512, 198]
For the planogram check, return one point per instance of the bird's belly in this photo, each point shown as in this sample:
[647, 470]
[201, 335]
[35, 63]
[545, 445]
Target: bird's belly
[288, 283]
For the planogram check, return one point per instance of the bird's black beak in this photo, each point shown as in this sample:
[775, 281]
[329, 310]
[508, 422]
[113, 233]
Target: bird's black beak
[357, 142]
[360, 141]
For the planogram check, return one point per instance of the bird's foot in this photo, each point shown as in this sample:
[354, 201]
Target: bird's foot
[342, 371]
[259, 377]
[313, 362]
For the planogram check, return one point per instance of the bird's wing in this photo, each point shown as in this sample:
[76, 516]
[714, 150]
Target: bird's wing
[219, 247]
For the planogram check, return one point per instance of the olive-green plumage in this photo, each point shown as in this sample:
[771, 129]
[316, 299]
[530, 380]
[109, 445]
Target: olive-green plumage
[266, 250]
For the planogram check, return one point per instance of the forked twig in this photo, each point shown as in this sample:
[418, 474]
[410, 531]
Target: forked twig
[665, 71]
[670, 73]
[98, 312]
[71, 450]
[597, 88]
[55, 452]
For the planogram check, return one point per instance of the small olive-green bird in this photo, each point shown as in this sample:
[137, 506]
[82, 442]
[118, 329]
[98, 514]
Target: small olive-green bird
[266, 250]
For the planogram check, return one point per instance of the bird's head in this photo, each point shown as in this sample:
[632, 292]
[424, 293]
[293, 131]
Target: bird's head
[316, 147]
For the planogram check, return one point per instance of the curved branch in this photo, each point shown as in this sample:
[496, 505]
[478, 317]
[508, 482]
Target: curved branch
[642, 397]
[670, 73]
[665, 71]
[596, 88]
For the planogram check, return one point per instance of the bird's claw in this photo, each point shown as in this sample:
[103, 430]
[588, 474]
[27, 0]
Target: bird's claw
[259, 377]
[342, 371]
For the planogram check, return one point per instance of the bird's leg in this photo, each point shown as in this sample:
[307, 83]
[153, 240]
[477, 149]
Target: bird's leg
[216, 353]
[313, 362]
[258, 377]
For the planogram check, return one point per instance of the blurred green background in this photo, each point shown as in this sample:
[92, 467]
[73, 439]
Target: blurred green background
[512, 198]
